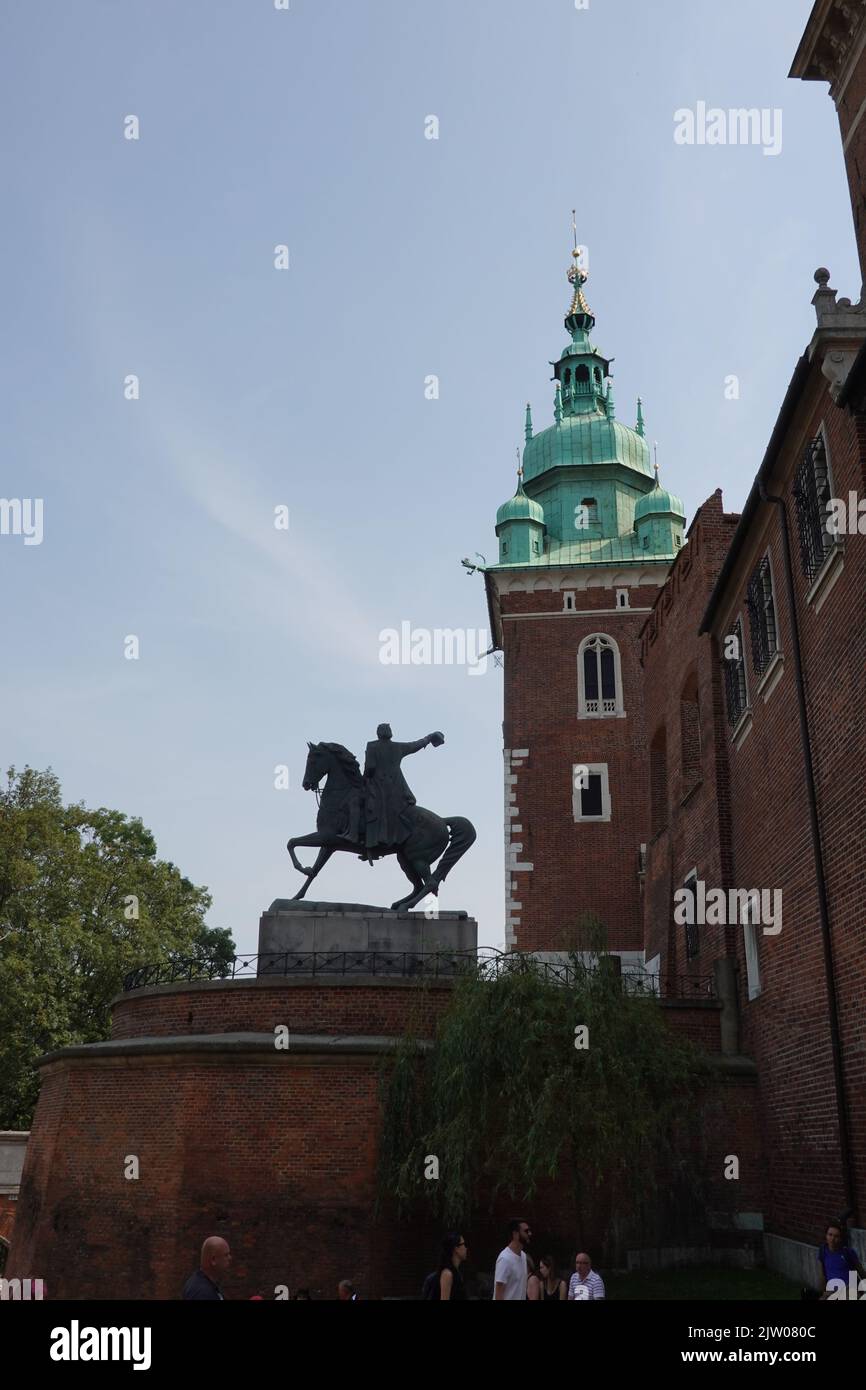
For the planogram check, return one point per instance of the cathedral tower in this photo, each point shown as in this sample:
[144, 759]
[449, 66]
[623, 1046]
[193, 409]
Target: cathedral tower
[584, 544]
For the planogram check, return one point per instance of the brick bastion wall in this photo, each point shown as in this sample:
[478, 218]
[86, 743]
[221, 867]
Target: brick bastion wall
[273, 1148]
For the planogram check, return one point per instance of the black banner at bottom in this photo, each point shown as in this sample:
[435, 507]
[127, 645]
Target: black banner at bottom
[80, 1339]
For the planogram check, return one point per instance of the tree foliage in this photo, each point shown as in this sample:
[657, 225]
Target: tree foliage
[83, 900]
[507, 1102]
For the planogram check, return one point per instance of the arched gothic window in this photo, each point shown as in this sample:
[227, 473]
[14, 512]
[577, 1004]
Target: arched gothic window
[599, 678]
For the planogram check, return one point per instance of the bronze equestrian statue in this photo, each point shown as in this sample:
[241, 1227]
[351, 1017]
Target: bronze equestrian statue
[376, 815]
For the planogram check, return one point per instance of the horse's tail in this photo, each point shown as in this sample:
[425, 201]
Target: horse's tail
[461, 835]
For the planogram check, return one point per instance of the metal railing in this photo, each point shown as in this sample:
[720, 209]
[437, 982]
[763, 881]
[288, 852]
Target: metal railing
[403, 964]
[487, 962]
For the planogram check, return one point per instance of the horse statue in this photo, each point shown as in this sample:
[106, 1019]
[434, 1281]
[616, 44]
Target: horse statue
[352, 818]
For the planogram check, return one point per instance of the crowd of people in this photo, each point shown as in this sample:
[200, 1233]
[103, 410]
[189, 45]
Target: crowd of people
[516, 1276]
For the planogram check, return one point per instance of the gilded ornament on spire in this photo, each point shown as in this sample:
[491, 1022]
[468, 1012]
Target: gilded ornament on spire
[577, 276]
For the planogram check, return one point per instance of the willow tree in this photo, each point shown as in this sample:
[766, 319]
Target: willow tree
[532, 1079]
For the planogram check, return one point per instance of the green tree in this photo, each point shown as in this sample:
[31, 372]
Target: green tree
[512, 1096]
[83, 900]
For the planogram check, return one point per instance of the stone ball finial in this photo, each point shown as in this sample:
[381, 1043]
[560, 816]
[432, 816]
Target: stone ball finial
[822, 277]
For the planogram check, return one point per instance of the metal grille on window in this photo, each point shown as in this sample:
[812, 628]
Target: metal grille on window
[762, 616]
[735, 676]
[812, 494]
[692, 941]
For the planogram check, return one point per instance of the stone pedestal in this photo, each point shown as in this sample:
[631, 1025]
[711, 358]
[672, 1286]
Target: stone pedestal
[341, 938]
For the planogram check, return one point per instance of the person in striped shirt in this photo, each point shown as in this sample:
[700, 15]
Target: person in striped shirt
[585, 1283]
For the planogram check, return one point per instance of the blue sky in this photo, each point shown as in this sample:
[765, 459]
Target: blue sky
[408, 257]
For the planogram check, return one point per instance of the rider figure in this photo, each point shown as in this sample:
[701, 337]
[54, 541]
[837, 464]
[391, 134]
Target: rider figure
[388, 797]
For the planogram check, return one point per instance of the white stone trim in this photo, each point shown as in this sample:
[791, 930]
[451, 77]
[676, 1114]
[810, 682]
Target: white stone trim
[645, 570]
[571, 613]
[772, 675]
[750, 947]
[826, 577]
[514, 758]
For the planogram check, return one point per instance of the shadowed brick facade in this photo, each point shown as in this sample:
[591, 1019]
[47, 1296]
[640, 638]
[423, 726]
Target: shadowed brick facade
[758, 785]
[274, 1149]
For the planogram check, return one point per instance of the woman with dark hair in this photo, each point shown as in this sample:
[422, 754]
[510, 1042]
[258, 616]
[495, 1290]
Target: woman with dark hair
[552, 1287]
[454, 1252]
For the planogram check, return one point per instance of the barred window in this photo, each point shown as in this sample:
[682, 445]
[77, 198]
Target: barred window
[693, 945]
[762, 616]
[735, 674]
[590, 506]
[812, 490]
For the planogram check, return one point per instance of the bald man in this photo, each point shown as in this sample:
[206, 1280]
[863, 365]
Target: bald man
[204, 1285]
[584, 1282]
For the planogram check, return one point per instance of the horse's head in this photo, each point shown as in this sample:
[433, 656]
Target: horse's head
[325, 759]
[316, 767]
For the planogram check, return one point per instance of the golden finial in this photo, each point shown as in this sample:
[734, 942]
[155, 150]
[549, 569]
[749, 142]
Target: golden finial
[577, 276]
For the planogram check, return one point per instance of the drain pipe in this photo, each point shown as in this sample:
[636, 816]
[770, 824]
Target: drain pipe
[817, 853]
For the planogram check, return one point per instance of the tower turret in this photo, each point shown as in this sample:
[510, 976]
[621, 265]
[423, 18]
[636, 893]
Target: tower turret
[520, 526]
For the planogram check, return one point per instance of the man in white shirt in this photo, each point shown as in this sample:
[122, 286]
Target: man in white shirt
[511, 1272]
[585, 1283]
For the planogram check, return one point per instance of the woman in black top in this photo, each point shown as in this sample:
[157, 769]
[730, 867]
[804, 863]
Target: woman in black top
[552, 1287]
[454, 1252]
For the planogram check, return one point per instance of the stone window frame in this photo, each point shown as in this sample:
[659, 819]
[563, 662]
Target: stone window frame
[618, 712]
[824, 578]
[763, 616]
[754, 987]
[736, 721]
[593, 769]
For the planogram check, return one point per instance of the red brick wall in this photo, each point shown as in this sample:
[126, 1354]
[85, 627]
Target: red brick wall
[275, 1153]
[676, 662]
[787, 1026]
[746, 824]
[303, 1006]
[588, 867]
[696, 1020]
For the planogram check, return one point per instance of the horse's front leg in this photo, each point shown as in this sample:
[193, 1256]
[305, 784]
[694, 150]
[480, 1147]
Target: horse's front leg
[323, 857]
[314, 840]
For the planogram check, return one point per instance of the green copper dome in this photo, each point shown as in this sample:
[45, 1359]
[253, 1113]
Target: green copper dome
[520, 508]
[659, 502]
[591, 438]
[587, 493]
